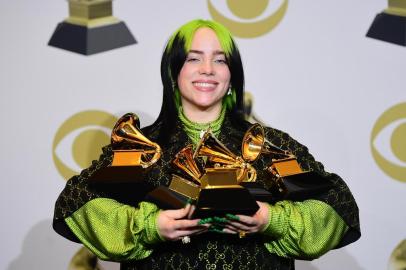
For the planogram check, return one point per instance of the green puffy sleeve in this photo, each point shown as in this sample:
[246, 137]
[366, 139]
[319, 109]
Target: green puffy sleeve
[303, 230]
[115, 231]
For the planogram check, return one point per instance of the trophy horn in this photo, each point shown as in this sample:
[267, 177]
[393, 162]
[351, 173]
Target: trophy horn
[254, 144]
[209, 146]
[185, 161]
[218, 154]
[126, 132]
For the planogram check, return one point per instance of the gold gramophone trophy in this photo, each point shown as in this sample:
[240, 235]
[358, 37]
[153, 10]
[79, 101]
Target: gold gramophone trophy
[182, 187]
[214, 188]
[287, 179]
[91, 28]
[221, 191]
[186, 163]
[218, 156]
[133, 153]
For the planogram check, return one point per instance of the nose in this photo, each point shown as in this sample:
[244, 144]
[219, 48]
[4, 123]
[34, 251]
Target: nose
[206, 67]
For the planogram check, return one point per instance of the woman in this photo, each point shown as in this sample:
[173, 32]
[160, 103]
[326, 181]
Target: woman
[203, 83]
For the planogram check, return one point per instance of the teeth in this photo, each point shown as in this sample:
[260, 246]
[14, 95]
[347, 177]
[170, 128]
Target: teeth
[204, 84]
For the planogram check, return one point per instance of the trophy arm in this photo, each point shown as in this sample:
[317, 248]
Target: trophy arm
[247, 173]
[154, 159]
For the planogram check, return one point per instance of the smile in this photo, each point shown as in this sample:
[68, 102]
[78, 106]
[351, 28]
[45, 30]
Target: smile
[205, 86]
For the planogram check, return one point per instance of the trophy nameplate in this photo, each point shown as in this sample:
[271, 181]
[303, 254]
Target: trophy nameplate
[286, 166]
[184, 187]
[126, 158]
[219, 178]
[91, 28]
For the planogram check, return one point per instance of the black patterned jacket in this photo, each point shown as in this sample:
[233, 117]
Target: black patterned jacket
[210, 250]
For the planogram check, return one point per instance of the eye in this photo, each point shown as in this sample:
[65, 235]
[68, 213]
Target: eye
[388, 142]
[192, 59]
[79, 139]
[220, 61]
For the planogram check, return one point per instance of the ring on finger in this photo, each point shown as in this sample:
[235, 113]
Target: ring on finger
[185, 239]
[242, 234]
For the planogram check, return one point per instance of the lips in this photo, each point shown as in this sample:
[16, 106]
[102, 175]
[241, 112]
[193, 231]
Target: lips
[205, 85]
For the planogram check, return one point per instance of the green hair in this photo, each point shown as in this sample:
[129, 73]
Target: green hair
[188, 30]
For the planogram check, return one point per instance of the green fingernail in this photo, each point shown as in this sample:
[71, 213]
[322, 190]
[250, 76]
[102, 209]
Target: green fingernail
[189, 201]
[201, 222]
[217, 226]
[220, 220]
[232, 217]
[216, 229]
[204, 221]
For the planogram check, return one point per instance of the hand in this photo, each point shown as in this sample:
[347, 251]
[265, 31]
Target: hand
[174, 224]
[256, 223]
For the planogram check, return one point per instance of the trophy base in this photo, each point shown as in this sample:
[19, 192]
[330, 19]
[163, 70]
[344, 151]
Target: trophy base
[389, 28]
[118, 174]
[165, 198]
[211, 202]
[91, 40]
[258, 192]
[302, 186]
[221, 201]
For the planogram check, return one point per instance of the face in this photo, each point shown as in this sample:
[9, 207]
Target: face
[205, 77]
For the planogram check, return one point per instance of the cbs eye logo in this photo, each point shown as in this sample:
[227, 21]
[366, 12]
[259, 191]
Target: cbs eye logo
[252, 22]
[388, 142]
[79, 139]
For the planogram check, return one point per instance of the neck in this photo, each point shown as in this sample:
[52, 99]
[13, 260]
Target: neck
[194, 130]
[201, 115]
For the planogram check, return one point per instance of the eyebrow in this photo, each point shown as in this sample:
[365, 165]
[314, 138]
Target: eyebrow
[201, 52]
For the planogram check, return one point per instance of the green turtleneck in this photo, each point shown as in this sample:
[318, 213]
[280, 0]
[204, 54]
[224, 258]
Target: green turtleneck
[194, 130]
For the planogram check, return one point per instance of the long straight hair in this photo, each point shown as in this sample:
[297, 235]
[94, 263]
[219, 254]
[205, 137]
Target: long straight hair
[172, 61]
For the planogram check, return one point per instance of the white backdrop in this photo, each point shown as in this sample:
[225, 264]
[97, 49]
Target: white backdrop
[315, 76]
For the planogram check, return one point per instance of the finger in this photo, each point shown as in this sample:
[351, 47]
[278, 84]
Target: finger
[177, 234]
[205, 221]
[187, 208]
[239, 226]
[178, 213]
[247, 220]
[191, 211]
[181, 233]
[216, 229]
[185, 224]
[228, 231]
[231, 228]
[202, 231]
